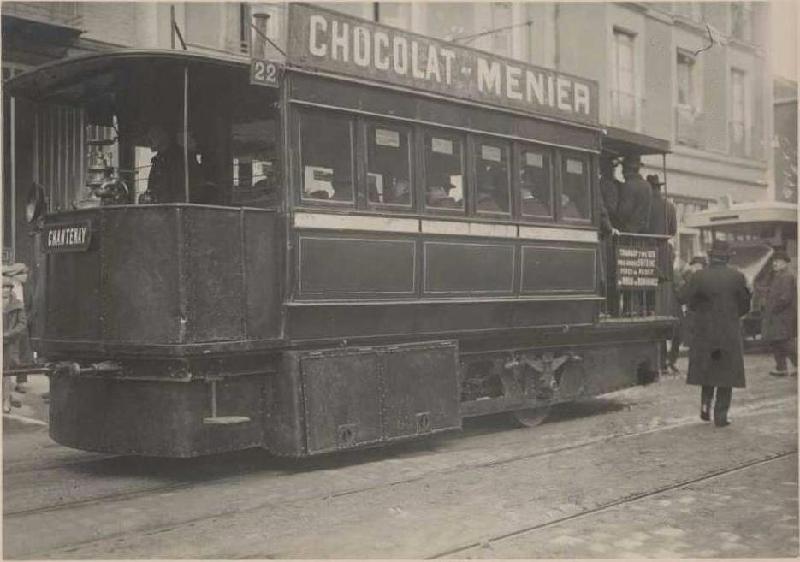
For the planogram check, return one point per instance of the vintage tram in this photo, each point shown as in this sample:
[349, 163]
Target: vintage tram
[401, 234]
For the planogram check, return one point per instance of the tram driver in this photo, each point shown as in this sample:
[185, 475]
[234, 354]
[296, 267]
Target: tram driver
[165, 184]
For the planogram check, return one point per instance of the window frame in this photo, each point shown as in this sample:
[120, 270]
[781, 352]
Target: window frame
[519, 149]
[300, 200]
[589, 173]
[476, 140]
[463, 137]
[363, 187]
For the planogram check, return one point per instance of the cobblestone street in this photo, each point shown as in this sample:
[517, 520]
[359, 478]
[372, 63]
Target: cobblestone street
[630, 474]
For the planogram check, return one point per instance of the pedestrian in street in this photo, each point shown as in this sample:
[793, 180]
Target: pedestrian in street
[682, 331]
[718, 296]
[15, 325]
[779, 325]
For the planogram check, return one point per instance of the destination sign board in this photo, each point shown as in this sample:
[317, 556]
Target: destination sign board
[328, 41]
[72, 237]
[636, 268]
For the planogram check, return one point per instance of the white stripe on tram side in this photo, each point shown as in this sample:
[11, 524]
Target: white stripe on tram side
[325, 221]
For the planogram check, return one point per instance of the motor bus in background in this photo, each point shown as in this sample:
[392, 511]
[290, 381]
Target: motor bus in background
[754, 230]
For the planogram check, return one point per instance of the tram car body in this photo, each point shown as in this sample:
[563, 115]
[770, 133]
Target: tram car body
[319, 296]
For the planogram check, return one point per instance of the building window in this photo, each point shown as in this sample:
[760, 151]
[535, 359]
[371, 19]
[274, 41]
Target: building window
[623, 96]
[501, 26]
[686, 95]
[395, 14]
[742, 20]
[739, 114]
[265, 18]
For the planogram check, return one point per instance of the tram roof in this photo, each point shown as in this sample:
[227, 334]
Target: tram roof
[743, 213]
[622, 142]
[43, 80]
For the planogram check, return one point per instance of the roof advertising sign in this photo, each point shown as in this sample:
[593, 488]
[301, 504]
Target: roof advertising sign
[331, 42]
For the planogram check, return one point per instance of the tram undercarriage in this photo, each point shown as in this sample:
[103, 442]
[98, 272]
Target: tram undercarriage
[303, 403]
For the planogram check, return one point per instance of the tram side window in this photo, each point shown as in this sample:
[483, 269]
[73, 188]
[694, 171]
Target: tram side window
[326, 157]
[575, 188]
[535, 183]
[491, 176]
[255, 163]
[444, 171]
[388, 164]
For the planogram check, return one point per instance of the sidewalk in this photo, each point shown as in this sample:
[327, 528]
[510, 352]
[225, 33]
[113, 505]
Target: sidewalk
[35, 408]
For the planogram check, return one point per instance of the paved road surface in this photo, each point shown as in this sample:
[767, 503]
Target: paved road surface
[634, 473]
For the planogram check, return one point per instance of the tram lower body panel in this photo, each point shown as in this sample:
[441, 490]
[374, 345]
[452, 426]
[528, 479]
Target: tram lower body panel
[302, 403]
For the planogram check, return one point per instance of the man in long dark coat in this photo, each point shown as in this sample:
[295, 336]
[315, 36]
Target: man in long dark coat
[718, 296]
[633, 210]
[779, 326]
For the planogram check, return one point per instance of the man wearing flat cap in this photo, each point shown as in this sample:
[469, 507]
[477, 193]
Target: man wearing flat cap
[718, 296]
[779, 325]
[633, 209]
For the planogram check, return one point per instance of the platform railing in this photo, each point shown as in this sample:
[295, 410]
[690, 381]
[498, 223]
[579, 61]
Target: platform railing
[638, 276]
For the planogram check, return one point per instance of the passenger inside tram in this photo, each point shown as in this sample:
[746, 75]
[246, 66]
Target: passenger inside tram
[444, 172]
[326, 150]
[575, 194]
[535, 184]
[388, 164]
[492, 179]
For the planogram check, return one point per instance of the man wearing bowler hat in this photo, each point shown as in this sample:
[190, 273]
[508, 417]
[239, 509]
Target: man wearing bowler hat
[779, 326]
[633, 210]
[718, 296]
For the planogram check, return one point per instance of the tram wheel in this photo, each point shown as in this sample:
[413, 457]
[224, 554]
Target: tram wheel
[531, 417]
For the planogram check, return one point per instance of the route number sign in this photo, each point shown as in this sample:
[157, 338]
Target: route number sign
[265, 73]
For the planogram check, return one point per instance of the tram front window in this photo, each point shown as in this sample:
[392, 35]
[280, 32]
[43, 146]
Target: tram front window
[149, 136]
[327, 157]
[575, 193]
[535, 183]
[388, 165]
[444, 171]
[492, 177]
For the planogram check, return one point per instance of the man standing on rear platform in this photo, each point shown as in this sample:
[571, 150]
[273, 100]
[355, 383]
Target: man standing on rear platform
[718, 296]
[779, 327]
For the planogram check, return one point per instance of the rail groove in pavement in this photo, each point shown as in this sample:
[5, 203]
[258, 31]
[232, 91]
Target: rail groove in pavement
[621, 501]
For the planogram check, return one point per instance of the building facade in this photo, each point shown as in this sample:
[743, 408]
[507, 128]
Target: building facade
[695, 74]
[784, 143]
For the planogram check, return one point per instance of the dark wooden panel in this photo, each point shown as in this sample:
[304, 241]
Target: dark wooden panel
[557, 269]
[474, 268]
[214, 274]
[342, 394]
[140, 270]
[421, 391]
[263, 274]
[441, 319]
[355, 267]
[72, 295]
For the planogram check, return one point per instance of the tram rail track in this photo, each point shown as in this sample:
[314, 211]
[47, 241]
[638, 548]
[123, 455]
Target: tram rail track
[617, 503]
[66, 507]
[751, 409]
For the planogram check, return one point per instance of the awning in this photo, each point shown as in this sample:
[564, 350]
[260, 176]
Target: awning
[47, 80]
[622, 142]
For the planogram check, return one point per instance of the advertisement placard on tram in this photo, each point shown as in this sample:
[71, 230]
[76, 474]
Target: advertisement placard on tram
[329, 41]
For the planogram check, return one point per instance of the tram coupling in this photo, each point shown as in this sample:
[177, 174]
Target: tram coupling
[65, 368]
